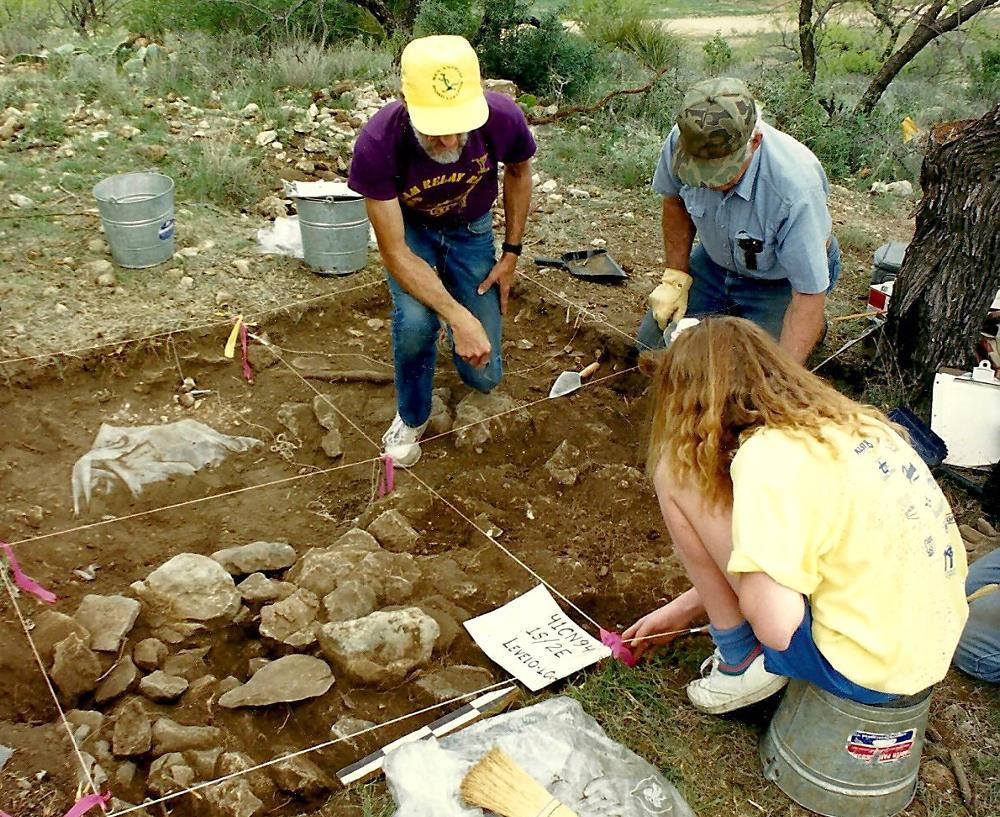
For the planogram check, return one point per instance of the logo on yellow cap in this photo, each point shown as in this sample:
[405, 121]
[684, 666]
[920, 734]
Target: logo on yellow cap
[447, 82]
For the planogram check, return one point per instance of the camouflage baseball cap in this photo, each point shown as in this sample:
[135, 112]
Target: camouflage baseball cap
[716, 124]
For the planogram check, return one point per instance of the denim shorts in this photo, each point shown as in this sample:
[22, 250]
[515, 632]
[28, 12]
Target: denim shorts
[803, 660]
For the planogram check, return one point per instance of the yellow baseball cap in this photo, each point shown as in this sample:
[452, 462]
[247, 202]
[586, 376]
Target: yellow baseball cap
[441, 86]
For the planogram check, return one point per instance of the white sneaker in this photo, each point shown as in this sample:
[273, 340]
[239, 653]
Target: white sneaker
[401, 443]
[718, 691]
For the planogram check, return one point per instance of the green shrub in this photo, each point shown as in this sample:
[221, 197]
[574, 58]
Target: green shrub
[448, 17]
[626, 24]
[543, 59]
[985, 74]
[842, 142]
[718, 55]
[221, 172]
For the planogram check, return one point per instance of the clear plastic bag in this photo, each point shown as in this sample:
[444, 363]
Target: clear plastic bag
[561, 746]
[143, 454]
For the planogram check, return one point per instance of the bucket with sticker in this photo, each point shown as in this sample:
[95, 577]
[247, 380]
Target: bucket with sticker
[137, 212]
[845, 759]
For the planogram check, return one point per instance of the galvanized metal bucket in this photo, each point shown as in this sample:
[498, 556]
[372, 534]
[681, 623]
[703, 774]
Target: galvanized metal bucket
[334, 233]
[137, 211]
[844, 759]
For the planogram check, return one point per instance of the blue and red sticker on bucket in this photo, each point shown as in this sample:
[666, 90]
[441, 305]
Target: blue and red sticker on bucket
[880, 747]
[167, 229]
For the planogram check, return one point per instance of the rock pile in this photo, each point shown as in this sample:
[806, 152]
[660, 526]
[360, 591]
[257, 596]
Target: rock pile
[367, 610]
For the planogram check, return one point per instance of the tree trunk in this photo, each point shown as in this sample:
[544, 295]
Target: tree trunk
[928, 29]
[807, 40]
[951, 271]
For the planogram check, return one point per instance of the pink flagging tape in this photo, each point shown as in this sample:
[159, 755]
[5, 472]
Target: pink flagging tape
[244, 347]
[26, 583]
[82, 806]
[388, 481]
[618, 648]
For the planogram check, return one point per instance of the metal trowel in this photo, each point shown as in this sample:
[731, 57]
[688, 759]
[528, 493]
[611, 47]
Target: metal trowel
[569, 382]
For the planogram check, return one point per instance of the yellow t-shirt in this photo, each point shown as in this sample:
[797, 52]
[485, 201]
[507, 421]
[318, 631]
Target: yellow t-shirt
[863, 531]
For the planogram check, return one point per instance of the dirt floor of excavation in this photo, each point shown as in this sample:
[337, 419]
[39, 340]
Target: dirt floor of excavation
[598, 541]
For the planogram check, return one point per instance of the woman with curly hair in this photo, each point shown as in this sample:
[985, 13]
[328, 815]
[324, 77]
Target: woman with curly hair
[817, 541]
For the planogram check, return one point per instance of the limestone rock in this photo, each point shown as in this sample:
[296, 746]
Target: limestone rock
[451, 682]
[76, 669]
[204, 761]
[149, 654]
[161, 687]
[326, 416]
[297, 418]
[120, 680]
[475, 408]
[352, 599]
[320, 570]
[301, 777]
[382, 648]
[90, 718]
[346, 727]
[169, 773]
[187, 593]
[393, 576]
[394, 532]
[287, 679]
[108, 619]
[170, 736]
[255, 664]
[189, 664]
[565, 464]
[228, 684]
[357, 539]
[236, 762]
[51, 628]
[256, 557]
[133, 734]
[332, 444]
[258, 589]
[440, 420]
[233, 798]
[290, 622]
[442, 575]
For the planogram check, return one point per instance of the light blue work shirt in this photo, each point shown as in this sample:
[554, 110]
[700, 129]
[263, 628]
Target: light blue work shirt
[780, 201]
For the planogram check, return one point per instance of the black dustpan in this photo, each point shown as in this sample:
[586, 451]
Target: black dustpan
[588, 265]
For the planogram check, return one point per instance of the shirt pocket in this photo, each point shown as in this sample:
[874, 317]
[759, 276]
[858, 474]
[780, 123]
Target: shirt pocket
[763, 261]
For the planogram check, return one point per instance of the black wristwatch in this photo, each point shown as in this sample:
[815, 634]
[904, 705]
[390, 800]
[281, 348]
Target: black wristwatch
[514, 249]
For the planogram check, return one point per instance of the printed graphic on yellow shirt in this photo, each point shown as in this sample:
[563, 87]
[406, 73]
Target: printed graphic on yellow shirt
[465, 183]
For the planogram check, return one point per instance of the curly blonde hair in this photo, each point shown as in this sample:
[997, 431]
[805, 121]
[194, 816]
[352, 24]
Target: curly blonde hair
[718, 383]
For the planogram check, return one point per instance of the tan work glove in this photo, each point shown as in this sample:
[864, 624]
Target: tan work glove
[980, 538]
[669, 300]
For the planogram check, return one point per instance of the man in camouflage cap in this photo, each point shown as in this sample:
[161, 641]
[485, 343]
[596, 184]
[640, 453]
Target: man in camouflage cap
[757, 199]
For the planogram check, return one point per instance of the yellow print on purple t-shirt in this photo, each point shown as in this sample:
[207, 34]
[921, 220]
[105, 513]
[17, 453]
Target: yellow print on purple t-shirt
[414, 196]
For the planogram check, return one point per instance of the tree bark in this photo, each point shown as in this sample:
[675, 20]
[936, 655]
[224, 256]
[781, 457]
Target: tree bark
[928, 29]
[951, 271]
[807, 40]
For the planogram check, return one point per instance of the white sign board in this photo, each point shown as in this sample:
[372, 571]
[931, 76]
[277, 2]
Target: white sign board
[533, 639]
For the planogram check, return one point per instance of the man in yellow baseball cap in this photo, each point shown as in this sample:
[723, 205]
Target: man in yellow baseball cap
[428, 169]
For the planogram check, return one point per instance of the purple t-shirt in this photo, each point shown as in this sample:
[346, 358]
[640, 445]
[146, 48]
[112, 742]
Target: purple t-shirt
[389, 163]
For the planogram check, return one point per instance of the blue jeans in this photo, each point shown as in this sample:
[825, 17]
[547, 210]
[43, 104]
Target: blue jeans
[802, 659]
[463, 256]
[717, 291]
[978, 650]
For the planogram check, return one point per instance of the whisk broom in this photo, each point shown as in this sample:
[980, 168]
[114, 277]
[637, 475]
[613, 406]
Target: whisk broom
[497, 783]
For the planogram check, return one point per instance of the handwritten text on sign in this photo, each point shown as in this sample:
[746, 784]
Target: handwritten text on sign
[534, 640]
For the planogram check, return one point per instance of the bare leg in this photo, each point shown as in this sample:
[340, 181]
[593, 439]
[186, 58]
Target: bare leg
[703, 539]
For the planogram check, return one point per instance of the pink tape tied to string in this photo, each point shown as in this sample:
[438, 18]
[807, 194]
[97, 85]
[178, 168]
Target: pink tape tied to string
[244, 350]
[619, 649]
[82, 806]
[388, 481]
[26, 583]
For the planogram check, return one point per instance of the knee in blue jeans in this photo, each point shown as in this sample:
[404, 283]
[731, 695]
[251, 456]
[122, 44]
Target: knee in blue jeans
[414, 330]
[485, 379]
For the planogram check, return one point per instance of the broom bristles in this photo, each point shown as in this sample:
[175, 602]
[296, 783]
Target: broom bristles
[497, 783]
